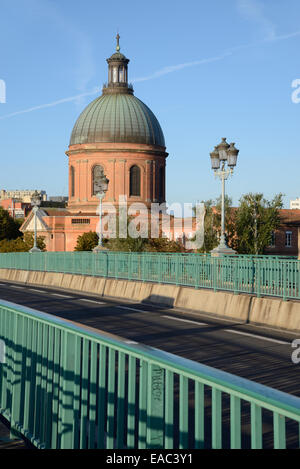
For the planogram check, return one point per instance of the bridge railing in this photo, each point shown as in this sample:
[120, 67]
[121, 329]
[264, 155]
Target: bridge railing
[66, 386]
[259, 275]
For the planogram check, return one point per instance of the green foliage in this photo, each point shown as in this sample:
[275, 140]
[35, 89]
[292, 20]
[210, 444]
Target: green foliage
[12, 239]
[87, 242]
[12, 245]
[143, 244]
[212, 223]
[21, 244]
[9, 228]
[28, 239]
[140, 244]
[256, 218]
[127, 244]
[163, 245]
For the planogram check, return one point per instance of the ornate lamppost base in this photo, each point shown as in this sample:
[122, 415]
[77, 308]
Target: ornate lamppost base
[100, 249]
[221, 251]
[35, 250]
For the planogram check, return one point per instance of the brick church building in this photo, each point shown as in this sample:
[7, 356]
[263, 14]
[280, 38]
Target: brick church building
[116, 134]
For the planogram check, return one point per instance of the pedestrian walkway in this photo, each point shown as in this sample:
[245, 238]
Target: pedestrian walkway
[5, 442]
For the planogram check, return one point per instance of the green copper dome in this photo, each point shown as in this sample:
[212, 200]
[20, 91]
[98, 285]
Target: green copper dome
[117, 117]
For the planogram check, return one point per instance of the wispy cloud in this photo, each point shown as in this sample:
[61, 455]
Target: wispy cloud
[54, 103]
[157, 74]
[175, 68]
[253, 10]
[283, 37]
[164, 71]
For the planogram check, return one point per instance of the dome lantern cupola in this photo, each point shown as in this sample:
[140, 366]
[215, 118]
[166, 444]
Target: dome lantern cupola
[117, 73]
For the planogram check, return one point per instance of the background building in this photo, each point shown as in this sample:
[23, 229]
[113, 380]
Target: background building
[119, 134]
[16, 208]
[116, 134]
[57, 198]
[295, 204]
[23, 196]
[286, 238]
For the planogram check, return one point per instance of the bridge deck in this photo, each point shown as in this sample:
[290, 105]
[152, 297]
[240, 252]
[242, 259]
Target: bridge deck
[5, 442]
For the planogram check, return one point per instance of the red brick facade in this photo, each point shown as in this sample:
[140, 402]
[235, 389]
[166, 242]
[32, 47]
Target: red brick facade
[16, 208]
[116, 160]
[285, 238]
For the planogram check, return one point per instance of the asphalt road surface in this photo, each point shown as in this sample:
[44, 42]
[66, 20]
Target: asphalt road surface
[259, 354]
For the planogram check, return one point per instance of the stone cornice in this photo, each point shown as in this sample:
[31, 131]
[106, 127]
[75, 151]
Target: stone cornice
[119, 150]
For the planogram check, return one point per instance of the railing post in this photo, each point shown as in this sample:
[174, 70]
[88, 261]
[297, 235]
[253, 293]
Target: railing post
[257, 278]
[16, 382]
[143, 268]
[106, 264]
[176, 270]
[236, 272]
[196, 271]
[155, 407]
[285, 278]
[67, 413]
[252, 276]
[115, 269]
[160, 268]
[214, 272]
[129, 268]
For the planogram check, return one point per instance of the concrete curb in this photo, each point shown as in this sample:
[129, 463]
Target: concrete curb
[271, 312]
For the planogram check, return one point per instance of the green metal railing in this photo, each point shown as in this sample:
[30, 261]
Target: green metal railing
[258, 275]
[67, 386]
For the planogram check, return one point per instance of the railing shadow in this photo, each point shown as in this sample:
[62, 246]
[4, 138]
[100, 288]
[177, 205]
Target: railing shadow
[62, 389]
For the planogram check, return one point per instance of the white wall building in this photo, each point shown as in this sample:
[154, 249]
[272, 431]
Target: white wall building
[295, 203]
[24, 196]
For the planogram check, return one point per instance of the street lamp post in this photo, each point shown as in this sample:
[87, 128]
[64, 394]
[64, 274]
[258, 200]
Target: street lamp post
[35, 202]
[223, 154]
[100, 187]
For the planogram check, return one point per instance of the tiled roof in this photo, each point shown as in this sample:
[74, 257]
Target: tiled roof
[290, 216]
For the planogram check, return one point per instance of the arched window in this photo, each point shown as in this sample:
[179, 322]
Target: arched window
[135, 181]
[72, 181]
[115, 74]
[97, 172]
[161, 189]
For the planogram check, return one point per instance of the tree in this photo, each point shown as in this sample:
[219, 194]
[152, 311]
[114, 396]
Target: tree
[9, 228]
[212, 223]
[12, 245]
[28, 240]
[127, 244]
[87, 242]
[163, 245]
[140, 244]
[256, 218]
[21, 244]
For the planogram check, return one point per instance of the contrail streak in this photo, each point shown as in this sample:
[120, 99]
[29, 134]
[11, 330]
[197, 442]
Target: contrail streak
[161, 72]
[54, 103]
[174, 68]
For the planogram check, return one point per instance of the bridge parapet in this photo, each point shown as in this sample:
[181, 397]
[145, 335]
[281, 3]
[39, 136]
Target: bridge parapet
[67, 386]
[257, 275]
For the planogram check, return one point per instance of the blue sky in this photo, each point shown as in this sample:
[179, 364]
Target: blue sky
[208, 70]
